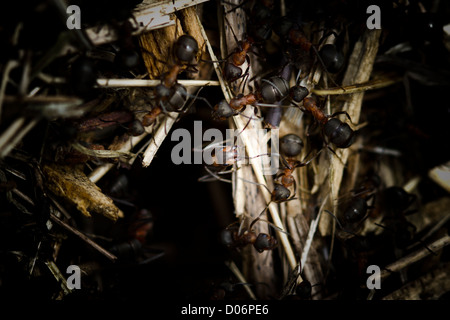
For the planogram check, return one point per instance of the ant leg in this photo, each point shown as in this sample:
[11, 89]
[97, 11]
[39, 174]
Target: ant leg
[299, 164]
[259, 216]
[213, 175]
[334, 152]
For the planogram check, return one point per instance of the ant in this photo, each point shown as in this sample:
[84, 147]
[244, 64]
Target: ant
[396, 201]
[291, 146]
[356, 209]
[271, 91]
[329, 56]
[224, 110]
[232, 70]
[234, 237]
[337, 132]
[223, 157]
[170, 95]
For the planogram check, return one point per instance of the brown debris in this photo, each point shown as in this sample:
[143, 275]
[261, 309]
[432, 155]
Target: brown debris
[70, 183]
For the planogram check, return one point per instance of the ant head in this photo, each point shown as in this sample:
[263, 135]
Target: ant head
[304, 289]
[274, 89]
[227, 237]
[291, 145]
[264, 242]
[280, 193]
[185, 48]
[135, 128]
[339, 133]
[298, 93]
[223, 110]
[332, 58]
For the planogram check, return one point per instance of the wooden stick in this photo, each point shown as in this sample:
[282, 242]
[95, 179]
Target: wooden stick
[431, 285]
[118, 83]
[159, 137]
[238, 274]
[415, 256]
[83, 237]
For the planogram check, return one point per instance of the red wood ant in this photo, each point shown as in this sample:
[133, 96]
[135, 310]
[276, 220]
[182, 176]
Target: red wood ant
[170, 95]
[223, 158]
[291, 146]
[232, 70]
[356, 209]
[223, 110]
[234, 237]
[337, 132]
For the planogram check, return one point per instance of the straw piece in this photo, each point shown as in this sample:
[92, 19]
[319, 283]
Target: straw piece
[415, 256]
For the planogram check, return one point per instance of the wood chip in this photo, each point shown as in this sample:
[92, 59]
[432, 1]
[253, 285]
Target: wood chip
[71, 184]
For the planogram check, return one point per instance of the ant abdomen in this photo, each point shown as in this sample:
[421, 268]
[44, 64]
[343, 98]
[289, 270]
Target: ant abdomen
[275, 89]
[356, 211]
[231, 72]
[332, 58]
[185, 48]
[339, 133]
[291, 145]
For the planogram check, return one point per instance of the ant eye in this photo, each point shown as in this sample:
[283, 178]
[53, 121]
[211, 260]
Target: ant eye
[162, 91]
[291, 145]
